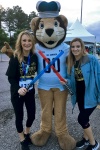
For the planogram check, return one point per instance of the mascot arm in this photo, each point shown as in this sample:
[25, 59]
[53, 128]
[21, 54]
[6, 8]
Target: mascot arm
[6, 49]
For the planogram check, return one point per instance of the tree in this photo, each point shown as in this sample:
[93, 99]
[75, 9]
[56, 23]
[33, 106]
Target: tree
[14, 21]
[3, 37]
[2, 15]
[20, 18]
[14, 37]
[32, 15]
[9, 20]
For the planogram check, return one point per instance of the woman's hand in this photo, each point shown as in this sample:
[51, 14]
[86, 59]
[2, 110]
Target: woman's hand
[22, 91]
[63, 82]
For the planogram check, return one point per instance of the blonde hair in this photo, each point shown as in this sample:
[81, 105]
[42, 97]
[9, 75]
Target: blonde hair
[71, 58]
[18, 48]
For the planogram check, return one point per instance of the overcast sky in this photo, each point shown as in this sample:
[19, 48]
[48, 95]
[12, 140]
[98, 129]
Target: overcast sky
[70, 8]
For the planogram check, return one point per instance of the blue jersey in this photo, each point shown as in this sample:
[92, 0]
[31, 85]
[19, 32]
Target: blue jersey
[49, 79]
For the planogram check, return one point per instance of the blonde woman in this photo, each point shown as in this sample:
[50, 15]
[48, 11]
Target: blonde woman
[84, 72]
[21, 70]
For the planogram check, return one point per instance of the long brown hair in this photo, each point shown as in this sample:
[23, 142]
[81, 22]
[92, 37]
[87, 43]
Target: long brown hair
[18, 48]
[71, 57]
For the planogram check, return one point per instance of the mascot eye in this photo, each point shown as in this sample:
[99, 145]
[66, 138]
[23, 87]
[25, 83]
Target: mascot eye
[56, 23]
[41, 25]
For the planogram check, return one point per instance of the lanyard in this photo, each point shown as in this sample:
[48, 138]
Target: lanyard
[25, 67]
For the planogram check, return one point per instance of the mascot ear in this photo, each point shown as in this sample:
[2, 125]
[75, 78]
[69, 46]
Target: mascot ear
[64, 19]
[33, 23]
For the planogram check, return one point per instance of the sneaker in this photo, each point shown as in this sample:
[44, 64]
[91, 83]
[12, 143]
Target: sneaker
[24, 145]
[82, 143]
[27, 137]
[93, 147]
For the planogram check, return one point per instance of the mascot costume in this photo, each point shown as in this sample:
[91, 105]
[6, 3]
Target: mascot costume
[50, 30]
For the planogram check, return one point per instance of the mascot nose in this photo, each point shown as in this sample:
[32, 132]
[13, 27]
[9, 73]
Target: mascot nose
[49, 31]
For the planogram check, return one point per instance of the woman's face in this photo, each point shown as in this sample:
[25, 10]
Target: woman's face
[26, 43]
[76, 49]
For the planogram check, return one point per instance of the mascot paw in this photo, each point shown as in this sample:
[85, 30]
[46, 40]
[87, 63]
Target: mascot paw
[40, 138]
[66, 142]
[7, 49]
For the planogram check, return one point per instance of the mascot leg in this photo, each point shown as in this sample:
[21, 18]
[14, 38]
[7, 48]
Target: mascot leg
[66, 142]
[46, 99]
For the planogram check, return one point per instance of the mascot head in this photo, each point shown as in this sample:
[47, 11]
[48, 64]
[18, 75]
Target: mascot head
[50, 27]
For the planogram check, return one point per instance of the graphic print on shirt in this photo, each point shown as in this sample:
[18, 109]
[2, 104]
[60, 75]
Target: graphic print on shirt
[27, 77]
[78, 74]
[31, 71]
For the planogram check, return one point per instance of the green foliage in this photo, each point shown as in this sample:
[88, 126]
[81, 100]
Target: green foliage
[13, 21]
[20, 18]
[14, 37]
[2, 15]
[32, 15]
[3, 37]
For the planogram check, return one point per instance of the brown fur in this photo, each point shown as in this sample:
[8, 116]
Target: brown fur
[42, 34]
[7, 50]
[49, 33]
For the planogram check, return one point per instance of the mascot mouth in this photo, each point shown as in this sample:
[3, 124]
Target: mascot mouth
[50, 42]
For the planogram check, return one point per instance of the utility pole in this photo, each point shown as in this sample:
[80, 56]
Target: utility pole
[81, 11]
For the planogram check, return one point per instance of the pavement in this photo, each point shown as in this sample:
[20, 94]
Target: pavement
[9, 139]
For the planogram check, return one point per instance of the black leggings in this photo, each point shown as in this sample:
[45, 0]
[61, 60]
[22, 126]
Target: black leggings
[18, 105]
[83, 117]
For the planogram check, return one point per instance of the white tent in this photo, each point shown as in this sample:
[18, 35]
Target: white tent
[77, 30]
